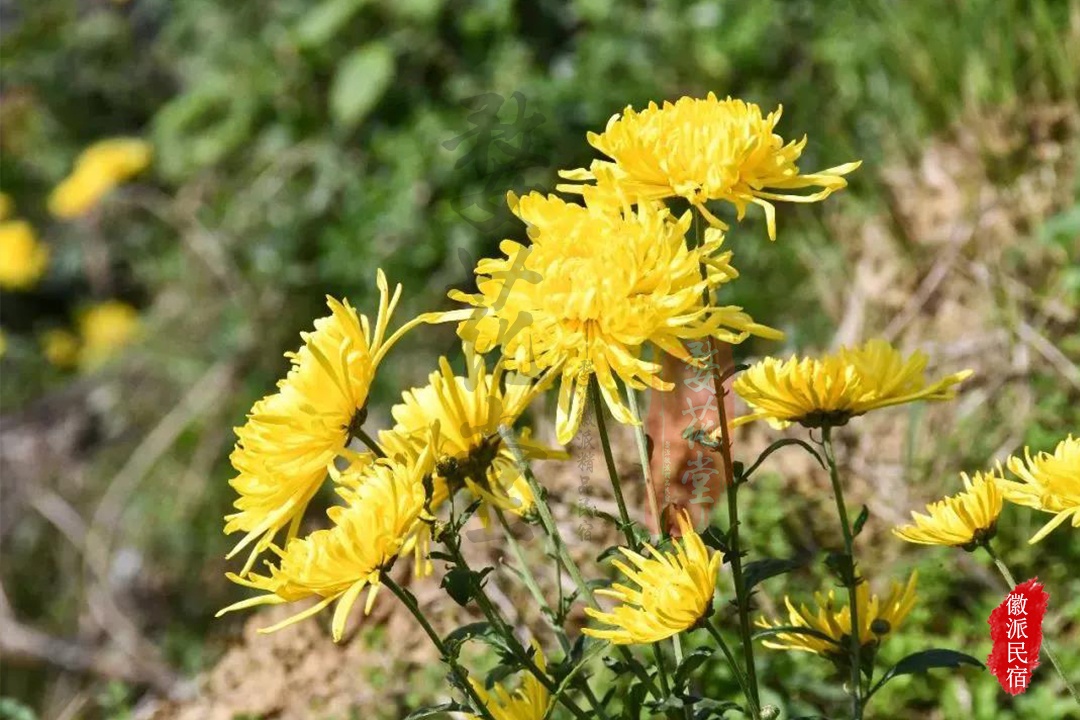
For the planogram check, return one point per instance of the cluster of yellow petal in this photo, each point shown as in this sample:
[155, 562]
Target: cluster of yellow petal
[675, 591]
[816, 392]
[959, 520]
[23, 258]
[832, 619]
[1049, 482]
[458, 417]
[591, 291]
[528, 702]
[99, 169]
[291, 436]
[702, 150]
[337, 563]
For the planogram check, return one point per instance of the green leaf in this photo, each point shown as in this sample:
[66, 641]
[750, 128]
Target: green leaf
[864, 515]
[360, 81]
[483, 631]
[320, 24]
[460, 583]
[708, 708]
[689, 664]
[925, 660]
[715, 538]
[758, 570]
[432, 710]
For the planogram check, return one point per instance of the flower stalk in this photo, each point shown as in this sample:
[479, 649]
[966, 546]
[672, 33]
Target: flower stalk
[849, 575]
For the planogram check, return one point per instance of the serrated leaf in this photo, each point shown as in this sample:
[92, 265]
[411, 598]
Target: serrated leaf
[359, 83]
[758, 570]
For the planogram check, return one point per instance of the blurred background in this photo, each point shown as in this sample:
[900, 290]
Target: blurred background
[279, 151]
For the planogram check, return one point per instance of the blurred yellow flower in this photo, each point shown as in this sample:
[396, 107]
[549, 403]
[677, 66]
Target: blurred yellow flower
[960, 520]
[337, 563]
[528, 702]
[675, 591]
[459, 418]
[291, 436]
[3, 343]
[702, 150]
[591, 291]
[833, 389]
[23, 258]
[832, 618]
[105, 329]
[60, 347]
[1049, 482]
[99, 169]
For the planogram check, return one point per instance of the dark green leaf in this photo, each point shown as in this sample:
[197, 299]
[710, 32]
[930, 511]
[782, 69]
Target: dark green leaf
[715, 538]
[756, 571]
[460, 583]
[689, 664]
[925, 660]
[482, 631]
[708, 708]
[864, 514]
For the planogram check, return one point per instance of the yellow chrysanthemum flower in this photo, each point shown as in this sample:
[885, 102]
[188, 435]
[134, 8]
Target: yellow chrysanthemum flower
[104, 330]
[336, 564]
[877, 619]
[1048, 482]
[675, 591]
[960, 520]
[833, 389]
[99, 169]
[23, 258]
[459, 418]
[702, 150]
[60, 348]
[590, 292]
[282, 452]
[528, 702]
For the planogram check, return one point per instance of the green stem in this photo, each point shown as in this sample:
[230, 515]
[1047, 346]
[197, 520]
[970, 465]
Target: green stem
[609, 459]
[369, 441]
[643, 455]
[853, 604]
[732, 663]
[494, 616]
[463, 677]
[561, 551]
[741, 599]
[1004, 570]
[545, 609]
